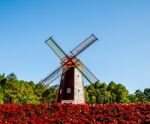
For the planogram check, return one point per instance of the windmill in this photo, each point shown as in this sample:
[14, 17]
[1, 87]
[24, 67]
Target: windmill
[72, 71]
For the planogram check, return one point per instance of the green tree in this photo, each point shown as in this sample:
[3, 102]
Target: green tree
[132, 98]
[90, 94]
[147, 94]
[121, 94]
[1, 95]
[140, 96]
[21, 92]
[39, 90]
[18, 92]
[2, 80]
[32, 84]
[11, 76]
[97, 93]
[103, 96]
[111, 88]
[50, 95]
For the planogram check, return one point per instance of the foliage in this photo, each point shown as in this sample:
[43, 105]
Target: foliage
[17, 91]
[69, 113]
[101, 93]
[1, 95]
[50, 95]
[147, 94]
[11, 76]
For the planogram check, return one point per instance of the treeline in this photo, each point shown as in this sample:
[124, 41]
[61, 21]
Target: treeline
[114, 93]
[17, 91]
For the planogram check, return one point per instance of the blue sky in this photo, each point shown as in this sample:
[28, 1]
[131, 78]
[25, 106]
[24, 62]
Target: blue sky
[121, 54]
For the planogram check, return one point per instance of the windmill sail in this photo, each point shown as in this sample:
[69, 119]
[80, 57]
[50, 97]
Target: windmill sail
[56, 48]
[62, 55]
[87, 73]
[54, 75]
[72, 71]
[82, 46]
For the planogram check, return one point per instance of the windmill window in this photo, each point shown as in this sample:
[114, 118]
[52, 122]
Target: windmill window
[78, 76]
[68, 90]
[78, 90]
[60, 91]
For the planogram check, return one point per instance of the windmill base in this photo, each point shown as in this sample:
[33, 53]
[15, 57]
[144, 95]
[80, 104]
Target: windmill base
[72, 102]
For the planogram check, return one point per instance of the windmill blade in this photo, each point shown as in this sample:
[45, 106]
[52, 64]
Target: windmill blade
[87, 73]
[82, 46]
[56, 48]
[54, 75]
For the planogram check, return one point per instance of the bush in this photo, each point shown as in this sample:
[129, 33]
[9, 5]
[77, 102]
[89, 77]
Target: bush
[57, 113]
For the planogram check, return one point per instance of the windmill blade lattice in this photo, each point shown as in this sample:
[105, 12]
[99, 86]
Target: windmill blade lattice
[87, 73]
[54, 75]
[82, 46]
[56, 48]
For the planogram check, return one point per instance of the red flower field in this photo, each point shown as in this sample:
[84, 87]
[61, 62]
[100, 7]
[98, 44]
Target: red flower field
[76, 114]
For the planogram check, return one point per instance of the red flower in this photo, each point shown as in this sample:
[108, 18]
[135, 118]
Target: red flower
[70, 113]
